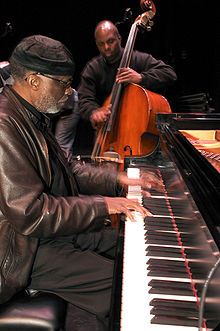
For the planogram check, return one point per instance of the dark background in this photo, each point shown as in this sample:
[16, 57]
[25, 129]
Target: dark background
[185, 34]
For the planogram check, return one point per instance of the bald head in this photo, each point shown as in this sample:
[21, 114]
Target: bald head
[104, 27]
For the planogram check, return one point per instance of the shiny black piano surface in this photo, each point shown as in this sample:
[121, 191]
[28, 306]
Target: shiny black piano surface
[193, 189]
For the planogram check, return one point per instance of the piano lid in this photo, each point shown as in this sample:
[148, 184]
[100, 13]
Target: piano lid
[191, 140]
[190, 121]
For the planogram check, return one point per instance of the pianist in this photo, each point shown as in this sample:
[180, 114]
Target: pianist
[53, 236]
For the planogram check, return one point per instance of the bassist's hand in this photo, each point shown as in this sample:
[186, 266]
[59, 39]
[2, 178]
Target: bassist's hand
[128, 75]
[100, 115]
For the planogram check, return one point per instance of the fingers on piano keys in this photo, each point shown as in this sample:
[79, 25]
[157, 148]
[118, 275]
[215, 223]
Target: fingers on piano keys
[134, 193]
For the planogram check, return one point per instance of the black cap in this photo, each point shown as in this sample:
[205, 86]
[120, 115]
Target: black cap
[43, 54]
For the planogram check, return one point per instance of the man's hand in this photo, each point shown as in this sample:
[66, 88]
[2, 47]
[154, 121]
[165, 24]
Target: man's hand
[125, 206]
[148, 180]
[100, 115]
[128, 75]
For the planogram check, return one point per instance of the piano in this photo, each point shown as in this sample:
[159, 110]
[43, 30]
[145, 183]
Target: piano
[164, 262]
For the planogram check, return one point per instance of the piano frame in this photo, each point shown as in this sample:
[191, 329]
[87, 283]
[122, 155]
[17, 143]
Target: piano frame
[200, 177]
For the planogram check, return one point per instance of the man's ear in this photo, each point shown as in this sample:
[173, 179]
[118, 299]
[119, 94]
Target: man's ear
[33, 81]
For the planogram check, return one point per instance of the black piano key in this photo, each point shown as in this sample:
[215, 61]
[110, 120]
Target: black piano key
[175, 287]
[161, 233]
[168, 268]
[162, 208]
[162, 220]
[167, 287]
[157, 202]
[170, 264]
[171, 272]
[167, 291]
[168, 283]
[189, 239]
[162, 238]
[164, 262]
[175, 312]
[184, 304]
[169, 221]
[158, 240]
[161, 204]
[168, 273]
[162, 266]
[158, 226]
[171, 320]
[163, 251]
[179, 204]
[184, 237]
[196, 265]
[175, 252]
[170, 227]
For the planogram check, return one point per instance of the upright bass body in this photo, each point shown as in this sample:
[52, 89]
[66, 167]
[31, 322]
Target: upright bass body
[134, 131]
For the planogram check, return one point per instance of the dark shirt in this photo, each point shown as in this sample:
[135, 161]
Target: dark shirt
[98, 77]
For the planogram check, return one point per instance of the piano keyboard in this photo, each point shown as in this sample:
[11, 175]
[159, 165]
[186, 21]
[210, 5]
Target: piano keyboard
[136, 309]
[163, 266]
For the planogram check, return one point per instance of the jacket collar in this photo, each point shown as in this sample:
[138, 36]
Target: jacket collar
[41, 121]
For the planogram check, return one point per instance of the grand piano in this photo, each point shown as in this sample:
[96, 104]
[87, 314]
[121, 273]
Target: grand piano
[167, 273]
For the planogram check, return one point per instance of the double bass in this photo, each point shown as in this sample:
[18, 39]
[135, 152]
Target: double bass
[131, 126]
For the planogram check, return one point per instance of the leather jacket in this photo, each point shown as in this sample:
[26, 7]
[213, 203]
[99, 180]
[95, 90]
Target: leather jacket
[28, 211]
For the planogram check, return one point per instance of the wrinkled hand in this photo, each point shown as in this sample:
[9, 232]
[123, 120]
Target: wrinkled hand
[125, 206]
[100, 115]
[128, 75]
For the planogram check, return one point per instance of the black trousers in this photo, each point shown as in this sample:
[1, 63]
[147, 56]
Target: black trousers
[78, 269]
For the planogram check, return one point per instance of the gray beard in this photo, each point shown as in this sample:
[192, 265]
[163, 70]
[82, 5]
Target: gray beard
[52, 110]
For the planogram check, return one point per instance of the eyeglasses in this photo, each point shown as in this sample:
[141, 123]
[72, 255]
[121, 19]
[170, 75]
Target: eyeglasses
[63, 83]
